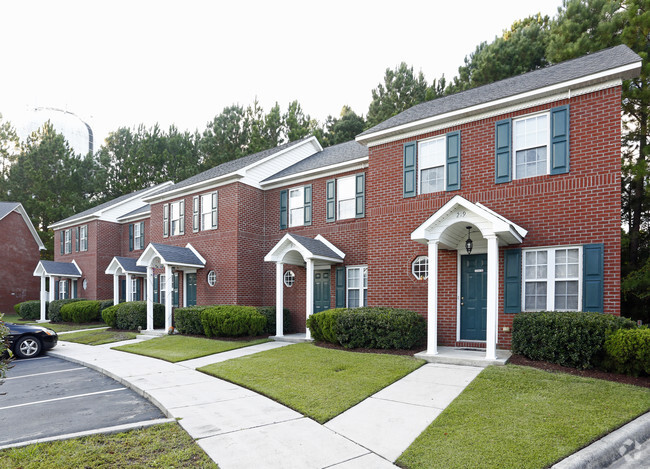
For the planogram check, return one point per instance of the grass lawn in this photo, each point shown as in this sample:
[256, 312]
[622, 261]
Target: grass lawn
[14, 318]
[165, 445]
[98, 337]
[176, 348]
[317, 382]
[521, 417]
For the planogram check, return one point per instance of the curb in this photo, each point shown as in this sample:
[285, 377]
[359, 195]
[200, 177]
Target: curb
[610, 448]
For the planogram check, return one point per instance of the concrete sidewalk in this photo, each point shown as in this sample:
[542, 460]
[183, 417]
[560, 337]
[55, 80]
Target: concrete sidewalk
[239, 428]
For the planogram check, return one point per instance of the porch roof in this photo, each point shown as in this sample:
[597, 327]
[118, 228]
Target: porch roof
[127, 265]
[57, 269]
[318, 249]
[171, 255]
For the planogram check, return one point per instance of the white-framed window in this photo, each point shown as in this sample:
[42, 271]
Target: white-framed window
[552, 279]
[357, 286]
[212, 278]
[289, 278]
[163, 289]
[297, 206]
[63, 289]
[531, 145]
[84, 284]
[432, 156]
[137, 236]
[134, 289]
[68, 241]
[345, 197]
[83, 235]
[209, 217]
[420, 267]
[177, 218]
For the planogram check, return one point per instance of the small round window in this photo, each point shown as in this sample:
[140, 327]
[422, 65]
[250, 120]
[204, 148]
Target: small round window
[289, 278]
[84, 284]
[420, 267]
[212, 278]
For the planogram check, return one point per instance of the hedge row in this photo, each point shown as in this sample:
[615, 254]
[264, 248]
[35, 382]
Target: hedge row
[81, 311]
[227, 320]
[54, 312]
[369, 327]
[628, 351]
[133, 314]
[574, 339]
[30, 310]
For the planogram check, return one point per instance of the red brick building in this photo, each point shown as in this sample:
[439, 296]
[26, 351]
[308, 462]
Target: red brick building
[467, 209]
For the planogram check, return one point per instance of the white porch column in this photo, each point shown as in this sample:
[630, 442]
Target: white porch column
[184, 289]
[150, 298]
[129, 288]
[116, 289]
[492, 297]
[52, 288]
[309, 306]
[279, 299]
[43, 297]
[169, 283]
[432, 300]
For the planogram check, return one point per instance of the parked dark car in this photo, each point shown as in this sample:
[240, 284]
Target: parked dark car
[27, 341]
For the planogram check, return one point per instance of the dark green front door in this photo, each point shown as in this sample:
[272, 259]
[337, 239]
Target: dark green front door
[321, 291]
[191, 289]
[473, 297]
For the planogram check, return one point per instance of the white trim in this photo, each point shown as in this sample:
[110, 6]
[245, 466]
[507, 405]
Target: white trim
[513, 161]
[482, 111]
[196, 253]
[310, 175]
[322, 239]
[137, 217]
[361, 289]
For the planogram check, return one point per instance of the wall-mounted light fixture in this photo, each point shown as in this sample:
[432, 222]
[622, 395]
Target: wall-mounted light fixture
[469, 244]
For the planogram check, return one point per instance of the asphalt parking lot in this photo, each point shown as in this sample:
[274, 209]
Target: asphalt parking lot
[48, 397]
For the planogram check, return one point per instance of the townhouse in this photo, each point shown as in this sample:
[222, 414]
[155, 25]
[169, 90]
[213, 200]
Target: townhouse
[467, 209]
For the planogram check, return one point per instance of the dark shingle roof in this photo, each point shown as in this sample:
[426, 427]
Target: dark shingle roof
[143, 209]
[60, 268]
[177, 255]
[6, 208]
[316, 247]
[231, 166]
[335, 154]
[555, 74]
[129, 265]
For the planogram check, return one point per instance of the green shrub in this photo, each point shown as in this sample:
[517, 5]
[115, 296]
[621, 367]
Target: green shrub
[322, 325]
[54, 311]
[188, 320]
[105, 304]
[574, 339]
[133, 314]
[380, 327]
[628, 351]
[109, 315]
[269, 313]
[81, 311]
[17, 308]
[31, 310]
[232, 321]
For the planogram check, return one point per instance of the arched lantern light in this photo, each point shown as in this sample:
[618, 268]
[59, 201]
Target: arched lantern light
[469, 244]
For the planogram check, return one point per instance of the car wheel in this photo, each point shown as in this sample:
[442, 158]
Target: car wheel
[27, 347]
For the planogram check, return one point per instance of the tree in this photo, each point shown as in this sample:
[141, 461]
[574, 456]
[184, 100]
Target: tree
[225, 138]
[401, 90]
[344, 128]
[297, 124]
[9, 147]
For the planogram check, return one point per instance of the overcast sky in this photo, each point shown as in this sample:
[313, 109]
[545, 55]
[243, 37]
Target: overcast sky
[121, 63]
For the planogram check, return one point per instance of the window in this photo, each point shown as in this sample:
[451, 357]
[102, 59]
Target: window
[432, 156]
[212, 278]
[68, 241]
[420, 267]
[138, 236]
[177, 218]
[345, 198]
[297, 207]
[63, 289]
[531, 141]
[134, 290]
[289, 278]
[209, 211]
[84, 237]
[357, 286]
[84, 284]
[552, 279]
[163, 290]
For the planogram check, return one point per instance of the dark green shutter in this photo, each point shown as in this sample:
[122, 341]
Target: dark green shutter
[131, 237]
[360, 195]
[61, 236]
[123, 290]
[512, 282]
[593, 266]
[410, 169]
[56, 289]
[503, 143]
[141, 235]
[453, 161]
[138, 289]
[175, 289]
[74, 289]
[330, 195]
[307, 206]
[560, 140]
[77, 236]
[155, 288]
[284, 200]
[340, 287]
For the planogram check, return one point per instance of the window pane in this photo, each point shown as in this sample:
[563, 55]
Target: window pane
[346, 209]
[353, 278]
[353, 298]
[432, 180]
[296, 217]
[566, 295]
[432, 153]
[535, 296]
[531, 162]
[345, 197]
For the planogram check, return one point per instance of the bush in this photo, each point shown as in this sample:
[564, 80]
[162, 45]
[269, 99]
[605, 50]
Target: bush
[232, 321]
[379, 327]
[574, 339]
[31, 310]
[81, 311]
[628, 351]
[322, 325]
[105, 304]
[109, 315]
[188, 320]
[269, 313]
[17, 308]
[54, 311]
[133, 314]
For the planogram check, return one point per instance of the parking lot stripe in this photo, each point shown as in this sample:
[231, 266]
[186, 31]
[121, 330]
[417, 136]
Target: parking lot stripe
[62, 398]
[46, 373]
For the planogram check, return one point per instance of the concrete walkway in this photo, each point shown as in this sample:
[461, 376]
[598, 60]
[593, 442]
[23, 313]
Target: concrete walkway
[239, 428]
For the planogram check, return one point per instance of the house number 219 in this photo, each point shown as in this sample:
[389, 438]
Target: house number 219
[461, 214]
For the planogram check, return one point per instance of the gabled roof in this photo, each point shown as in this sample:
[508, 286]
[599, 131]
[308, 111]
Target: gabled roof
[57, 269]
[171, 255]
[97, 211]
[333, 156]
[7, 207]
[121, 265]
[616, 62]
[137, 213]
[317, 249]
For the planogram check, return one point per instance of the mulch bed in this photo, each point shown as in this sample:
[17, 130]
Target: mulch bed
[643, 381]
